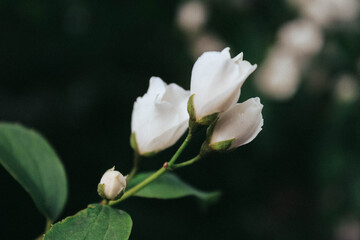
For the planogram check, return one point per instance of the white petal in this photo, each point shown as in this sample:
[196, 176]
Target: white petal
[156, 86]
[242, 122]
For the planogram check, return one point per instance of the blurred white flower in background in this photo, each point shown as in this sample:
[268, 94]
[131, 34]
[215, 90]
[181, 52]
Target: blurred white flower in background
[206, 42]
[346, 88]
[327, 12]
[279, 75]
[299, 41]
[348, 230]
[191, 16]
[301, 37]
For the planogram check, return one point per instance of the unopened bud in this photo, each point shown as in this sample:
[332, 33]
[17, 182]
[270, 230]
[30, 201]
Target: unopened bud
[112, 185]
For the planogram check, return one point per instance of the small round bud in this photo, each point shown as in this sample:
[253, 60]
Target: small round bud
[112, 185]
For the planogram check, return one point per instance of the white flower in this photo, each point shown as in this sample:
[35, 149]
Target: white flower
[239, 125]
[216, 81]
[159, 118]
[112, 184]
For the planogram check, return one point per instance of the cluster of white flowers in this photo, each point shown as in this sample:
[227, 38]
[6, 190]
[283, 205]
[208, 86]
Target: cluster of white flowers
[326, 13]
[163, 114]
[298, 41]
[159, 118]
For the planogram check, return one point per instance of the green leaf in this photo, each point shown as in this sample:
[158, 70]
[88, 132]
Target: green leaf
[93, 223]
[28, 157]
[169, 186]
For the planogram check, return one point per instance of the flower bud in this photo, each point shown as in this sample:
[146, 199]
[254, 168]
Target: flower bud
[216, 80]
[159, 118]
[237, 126]
[112, 185]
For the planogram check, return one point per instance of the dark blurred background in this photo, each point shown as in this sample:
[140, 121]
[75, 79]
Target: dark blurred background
[72, 70]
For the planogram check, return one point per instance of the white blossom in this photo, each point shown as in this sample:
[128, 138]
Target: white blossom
[159, 118]
[113, 183]
[216, 81]
[241, 123]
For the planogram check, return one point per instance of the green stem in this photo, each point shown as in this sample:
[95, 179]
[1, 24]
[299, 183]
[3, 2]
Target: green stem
[47, 228]
[180, 150]
[156, 175]
[135, 189]
[135, 167]
[48, 225]
[186, 163]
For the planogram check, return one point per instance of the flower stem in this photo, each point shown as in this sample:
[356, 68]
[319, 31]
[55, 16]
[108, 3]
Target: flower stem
[48, 225]
[186, 163]
[181, 149]
[135, 167]
[47, 228]
[156, 175]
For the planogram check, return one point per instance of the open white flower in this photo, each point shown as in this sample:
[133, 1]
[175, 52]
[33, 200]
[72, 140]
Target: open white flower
[238, 126]
[216, 81]
[112, 184]
[159, 118]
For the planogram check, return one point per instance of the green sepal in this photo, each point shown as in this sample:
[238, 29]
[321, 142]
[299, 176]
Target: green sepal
[210, 130]
[133, 142]
[121, 193]
[191, 109]
[193, 125]
[209, 119]
[149, 154]
[222, 146]
[205, 149]
[100, 190]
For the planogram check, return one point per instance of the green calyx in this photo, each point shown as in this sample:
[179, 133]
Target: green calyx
[193, 125]
[209, 119]
[204, 121]
[205, 149]
[134, 146]
[100, 190]
[133, 142]
[121, 193]
[208, 148]
[149, 154]
[222, 146]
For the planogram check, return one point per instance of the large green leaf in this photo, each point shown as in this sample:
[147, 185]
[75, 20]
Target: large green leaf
[170, 186]
[93, 223]
[28, 157]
